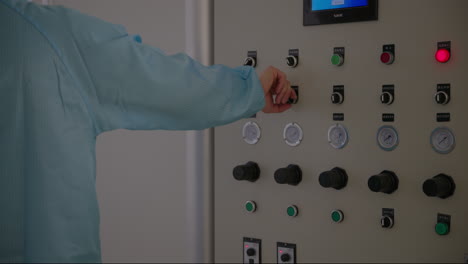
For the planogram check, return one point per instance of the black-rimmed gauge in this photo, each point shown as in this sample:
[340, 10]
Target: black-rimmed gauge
[338, 136]
[387, 138]
[251, 133]
[442, 140]
[292, 134]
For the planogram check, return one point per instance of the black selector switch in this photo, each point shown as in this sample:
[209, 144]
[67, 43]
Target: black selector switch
[442, 95]
[388, 218]
[388, 94]
[442, 98]
[291, 61]
[251, 252]
[248, 172]
[337, 96]
[251, 59]
[291, 175]
[441, 186]
[385, 182]
[335, 178]
[285, 257]
[386, 221]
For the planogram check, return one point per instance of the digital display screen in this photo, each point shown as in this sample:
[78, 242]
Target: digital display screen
[318, 5]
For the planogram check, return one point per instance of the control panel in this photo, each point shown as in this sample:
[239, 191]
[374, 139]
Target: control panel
[371, 163]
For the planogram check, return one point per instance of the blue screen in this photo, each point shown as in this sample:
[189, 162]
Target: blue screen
[318, 5]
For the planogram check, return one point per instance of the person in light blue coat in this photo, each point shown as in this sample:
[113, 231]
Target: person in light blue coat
[65, 78]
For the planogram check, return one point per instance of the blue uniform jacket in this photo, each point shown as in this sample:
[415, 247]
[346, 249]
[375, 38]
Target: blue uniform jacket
[65, 78]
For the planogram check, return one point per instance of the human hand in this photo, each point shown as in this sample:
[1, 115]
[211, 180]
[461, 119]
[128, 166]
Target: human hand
[275, 83]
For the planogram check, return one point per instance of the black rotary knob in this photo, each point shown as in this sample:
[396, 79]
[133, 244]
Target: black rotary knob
[250, 61]
[442, 98]
[292, 61]
[386, 182]
[386, 221]
[285, 257]
[248, 172]
[386, 98]
[337, 98]
[335, 178]
[441, 186]
[291, 175]
[251, 252]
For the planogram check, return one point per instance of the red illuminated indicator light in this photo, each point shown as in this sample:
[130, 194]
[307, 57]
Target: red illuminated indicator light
[281, 251]
[246, 246]
[442, 55]
[387, 58]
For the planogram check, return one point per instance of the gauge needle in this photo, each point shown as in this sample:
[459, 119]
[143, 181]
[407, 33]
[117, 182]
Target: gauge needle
[445, 138]
[389, 137]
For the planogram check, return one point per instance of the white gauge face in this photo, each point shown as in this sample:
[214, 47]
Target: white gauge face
[338, 136]
[443, 140]
[387, 138]
[251, 133]
[292, 134]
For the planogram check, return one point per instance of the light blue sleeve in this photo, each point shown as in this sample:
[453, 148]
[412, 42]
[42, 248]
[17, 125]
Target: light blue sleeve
[135, 86]
[139, 87]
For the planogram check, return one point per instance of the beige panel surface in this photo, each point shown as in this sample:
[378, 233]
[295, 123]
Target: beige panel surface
[272, 27]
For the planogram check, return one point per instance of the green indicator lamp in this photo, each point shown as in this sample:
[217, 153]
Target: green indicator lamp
[250, 206]
[442, 229]
[292, 211]
[337, 59]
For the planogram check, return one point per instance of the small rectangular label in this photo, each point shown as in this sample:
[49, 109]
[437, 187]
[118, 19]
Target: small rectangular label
[389, 48]
[444, 45]
[443, 218]
[294, 52]
[388, 117]
[388, 211]
[443, 117]
[388, 88]
[338, 89]
[338, 117]
[339, 50]
[252, 53]
[443, 86]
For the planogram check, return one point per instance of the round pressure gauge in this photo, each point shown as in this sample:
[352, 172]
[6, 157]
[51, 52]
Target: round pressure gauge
[292, 134]
[443, 140]
[387, 138]
[337, 136]
[251, 133]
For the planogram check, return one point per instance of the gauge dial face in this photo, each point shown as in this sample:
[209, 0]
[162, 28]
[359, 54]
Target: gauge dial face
[387, 138]
[292, 134]
[251, 133]
[337, 136]
[442, 140]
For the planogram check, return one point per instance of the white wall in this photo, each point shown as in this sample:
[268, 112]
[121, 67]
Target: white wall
[141, 175]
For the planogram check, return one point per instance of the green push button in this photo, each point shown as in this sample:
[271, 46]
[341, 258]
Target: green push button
[292, 211]
[337, 60]
[442, 229]
[250, 206]
[337, 216]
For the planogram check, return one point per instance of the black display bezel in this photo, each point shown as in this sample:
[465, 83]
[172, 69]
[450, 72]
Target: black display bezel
[342, 15]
